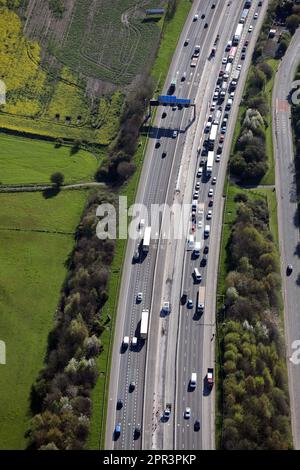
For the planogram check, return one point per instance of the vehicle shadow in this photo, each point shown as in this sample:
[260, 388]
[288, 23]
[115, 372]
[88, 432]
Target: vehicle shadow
[206, 388]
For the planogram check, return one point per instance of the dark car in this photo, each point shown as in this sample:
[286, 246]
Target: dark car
[157, 144]
[131, 386]
[219, 150]
[204, 152]
[211, 202]
[164, 154]
[246, 43]
[243, 56]
[119, 404]
[197, 425]
[289, 269]
[164, 114]
[137, 433]
[203, 16]
[206, 25]
[213, 6]
[204, 261]
[183, 298]
[206, 250]
[244, 49]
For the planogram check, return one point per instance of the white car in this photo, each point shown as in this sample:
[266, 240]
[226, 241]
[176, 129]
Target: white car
[218, 158]
[255, 16]
[232, 95]
[187, 413]
[139, 297]
[210, 192]
[197, 185]
[224, 60]
[196, 195]
[166, 307]
[210, 118]
[209, 215]
[214, 180]
[200, 224]
[250, 29]
[213, 107]
[196, 17]
[174, 134]
[239, 67]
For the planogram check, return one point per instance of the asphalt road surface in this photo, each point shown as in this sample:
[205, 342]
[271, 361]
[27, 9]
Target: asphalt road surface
[288, 220]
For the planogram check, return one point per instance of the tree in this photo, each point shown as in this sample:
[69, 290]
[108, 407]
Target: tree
[57, 179]
[267, 70]
[283, 45]
[292, 23]
[125, 170]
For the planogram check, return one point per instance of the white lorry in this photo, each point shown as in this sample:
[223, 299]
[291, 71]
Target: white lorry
[144, 324]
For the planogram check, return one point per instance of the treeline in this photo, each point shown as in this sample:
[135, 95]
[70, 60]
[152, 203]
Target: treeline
[254, 378]
[283, 13]
[60, 398]
[120, 166]
[249, 162]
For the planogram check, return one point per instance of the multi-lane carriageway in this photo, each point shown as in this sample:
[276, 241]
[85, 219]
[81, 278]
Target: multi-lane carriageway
[177, 344]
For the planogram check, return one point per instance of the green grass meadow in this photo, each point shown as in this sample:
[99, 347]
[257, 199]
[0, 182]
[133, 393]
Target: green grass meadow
[32, 271]
[24, 161]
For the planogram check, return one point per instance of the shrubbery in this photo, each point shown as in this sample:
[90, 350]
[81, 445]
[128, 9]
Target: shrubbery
[255, 390]
[61, 395]
[249, 162]
[119, 166]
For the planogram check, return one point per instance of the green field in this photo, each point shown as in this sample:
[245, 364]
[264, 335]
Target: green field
[112, 44]
[31, 275]
[33, 161]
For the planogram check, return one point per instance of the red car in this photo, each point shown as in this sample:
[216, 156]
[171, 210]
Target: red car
[211, 202]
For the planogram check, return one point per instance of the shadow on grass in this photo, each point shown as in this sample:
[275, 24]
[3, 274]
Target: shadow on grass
[51, 192]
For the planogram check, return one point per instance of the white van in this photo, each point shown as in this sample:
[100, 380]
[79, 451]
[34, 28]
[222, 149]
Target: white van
[125, 342]
[197, 275]
[228, 104]
[190, 243]
[228, 68]
[193, 381]
[134, 342]
[206, 231]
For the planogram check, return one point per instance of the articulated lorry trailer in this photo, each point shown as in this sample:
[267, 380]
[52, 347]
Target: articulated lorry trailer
[146, 239]
[144, 324]
[209, 163]
[238, 34]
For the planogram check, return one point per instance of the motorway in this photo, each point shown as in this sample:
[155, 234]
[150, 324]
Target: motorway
[288, 219]
[171, 179]
[189, 335]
